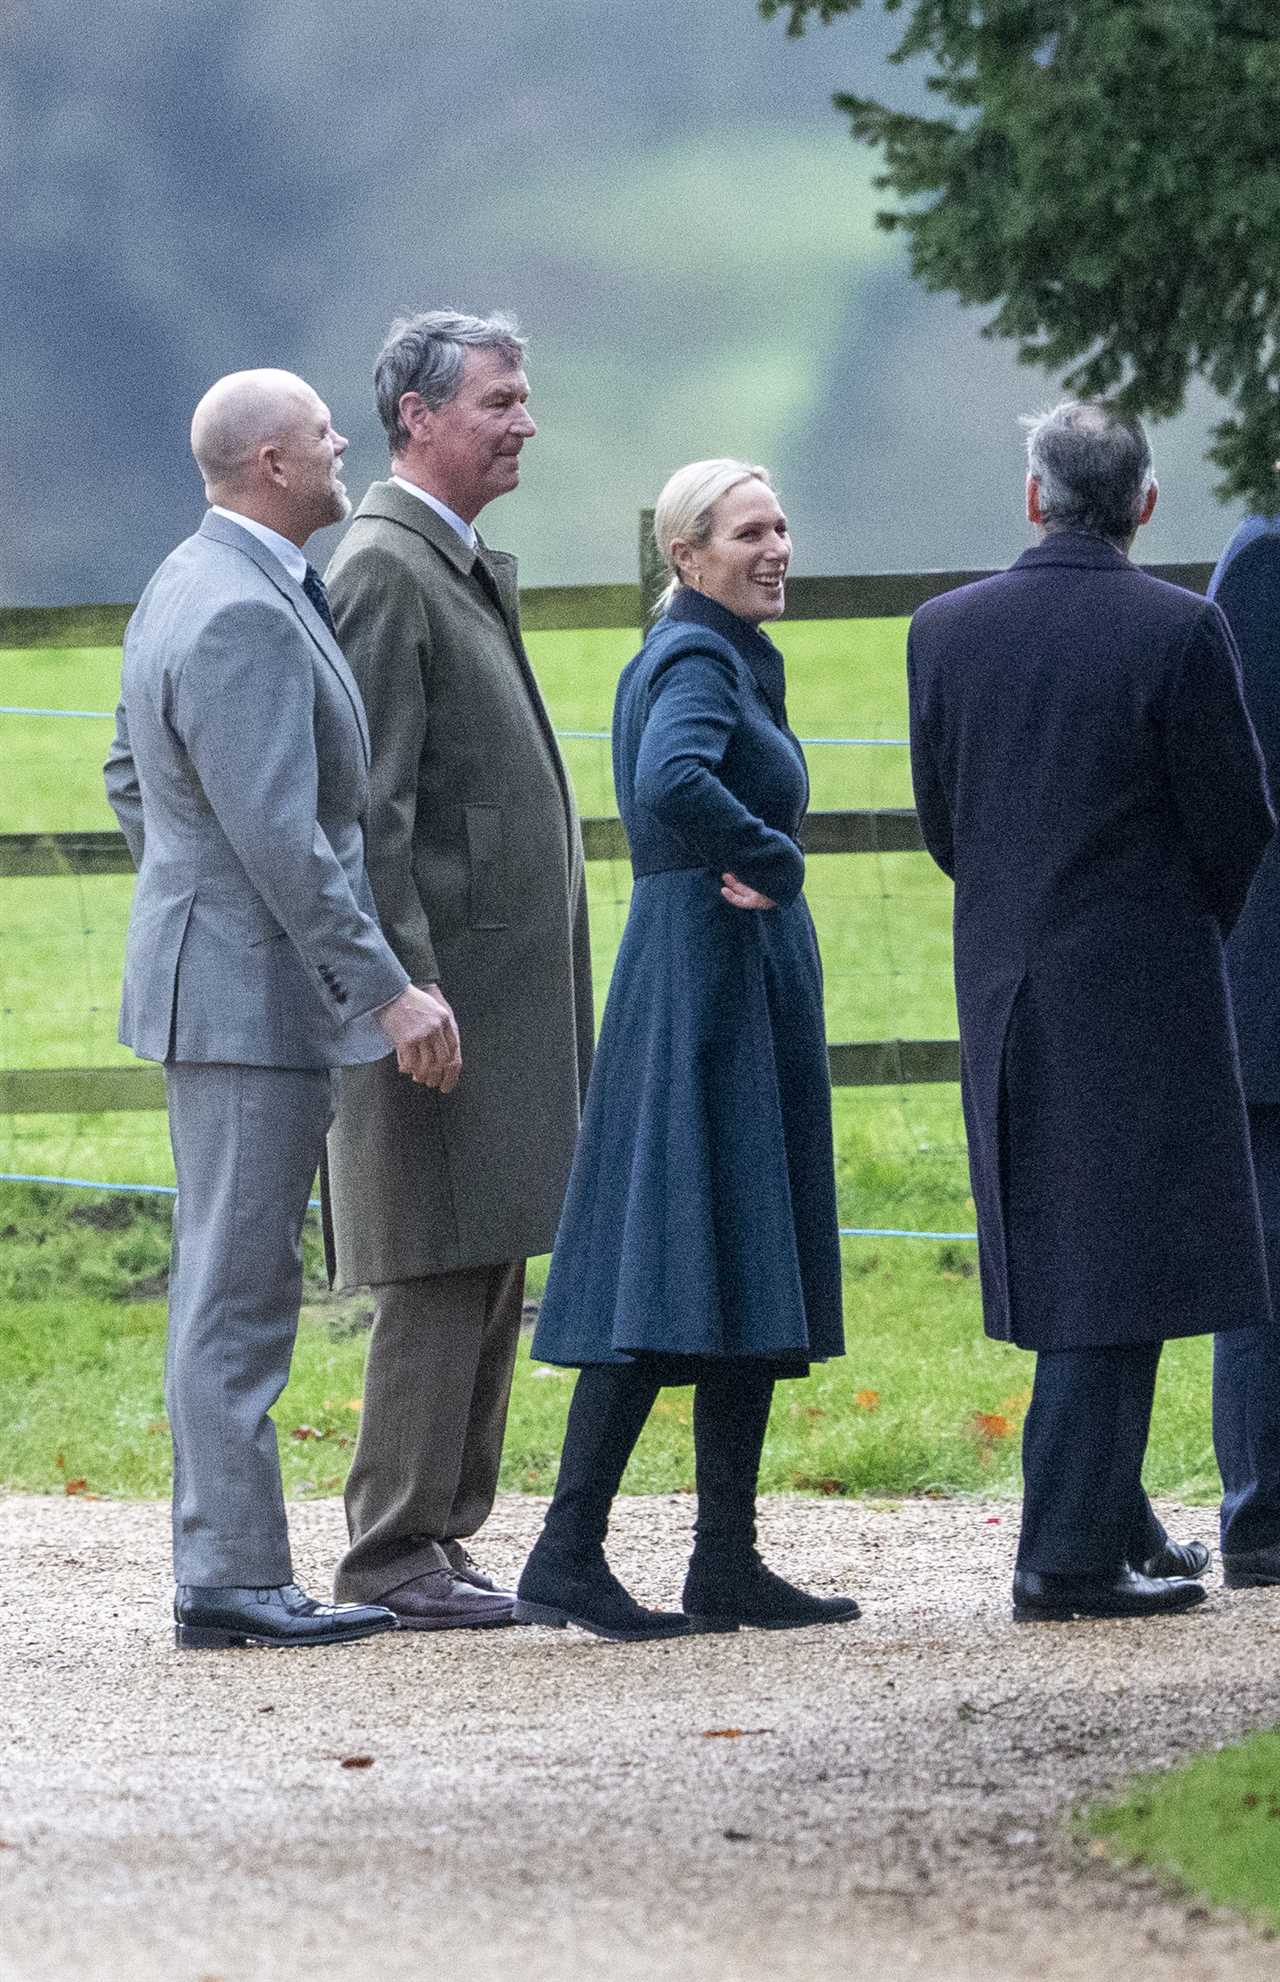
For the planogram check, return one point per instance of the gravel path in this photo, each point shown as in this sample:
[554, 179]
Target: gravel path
[543, 1806]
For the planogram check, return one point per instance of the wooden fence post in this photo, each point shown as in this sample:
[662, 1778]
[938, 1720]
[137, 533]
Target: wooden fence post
[653, 573]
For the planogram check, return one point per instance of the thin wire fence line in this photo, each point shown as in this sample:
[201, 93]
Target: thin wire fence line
[569, 735]
[313, 1204]
[97, 715]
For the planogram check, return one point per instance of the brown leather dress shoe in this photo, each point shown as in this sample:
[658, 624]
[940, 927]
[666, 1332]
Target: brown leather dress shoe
[440, 1600]
[465, 1566]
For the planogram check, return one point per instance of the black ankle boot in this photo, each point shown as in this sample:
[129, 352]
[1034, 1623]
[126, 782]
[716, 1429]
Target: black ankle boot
[724, 1590]
[559, 1588]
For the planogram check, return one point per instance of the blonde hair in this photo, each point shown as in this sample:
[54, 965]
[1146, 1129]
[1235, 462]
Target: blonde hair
[682, 513]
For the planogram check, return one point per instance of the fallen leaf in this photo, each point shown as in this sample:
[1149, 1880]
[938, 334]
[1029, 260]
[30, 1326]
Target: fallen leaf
[157, 1426]
[60, 1461]
[354, 1404]
[305, 1431]
[993, 1520]
[356, 1762]
[1018, 1402]
[867, 1400]
[992, 1425]
[75, 1486]
[732, 1733]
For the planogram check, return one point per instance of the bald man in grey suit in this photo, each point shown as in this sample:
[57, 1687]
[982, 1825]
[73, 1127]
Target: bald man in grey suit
[254, 965]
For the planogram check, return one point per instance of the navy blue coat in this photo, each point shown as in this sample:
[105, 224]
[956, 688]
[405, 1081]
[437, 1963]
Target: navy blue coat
[1085, 770]
[1246, 585]
[700, 1218]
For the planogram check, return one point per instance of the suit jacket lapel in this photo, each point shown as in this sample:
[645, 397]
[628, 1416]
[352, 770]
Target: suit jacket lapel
[269, 565]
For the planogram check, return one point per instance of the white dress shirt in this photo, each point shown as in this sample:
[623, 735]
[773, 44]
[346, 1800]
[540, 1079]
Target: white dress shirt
[466, 531]
[293, 560]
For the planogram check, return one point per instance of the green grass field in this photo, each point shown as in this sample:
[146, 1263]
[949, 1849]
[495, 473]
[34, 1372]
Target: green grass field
[1211, 1826]
[922, 1403]
[883, 920]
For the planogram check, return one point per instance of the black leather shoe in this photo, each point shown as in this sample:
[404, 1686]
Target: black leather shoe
[722, 1594]
[1251, 1569]
[558, 1589]
[1176, 1559]
[213, 1619]
[1128, 1594]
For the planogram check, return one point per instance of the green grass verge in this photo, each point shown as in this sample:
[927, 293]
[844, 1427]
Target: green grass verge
[922, 1403]
[1213, 1826]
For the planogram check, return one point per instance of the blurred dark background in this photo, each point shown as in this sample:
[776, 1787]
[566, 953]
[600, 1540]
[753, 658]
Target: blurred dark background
[663, 194]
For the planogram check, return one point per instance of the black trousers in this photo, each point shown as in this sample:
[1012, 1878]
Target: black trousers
[611, 1402]
[1246, 1378]
[1084, 1511]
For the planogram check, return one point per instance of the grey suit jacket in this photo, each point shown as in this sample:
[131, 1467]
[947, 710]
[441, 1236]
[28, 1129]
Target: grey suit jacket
[239, 775]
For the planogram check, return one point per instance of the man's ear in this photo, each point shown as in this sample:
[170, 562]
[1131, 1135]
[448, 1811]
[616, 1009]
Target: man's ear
[269, 463]
[1035, 514]
[415, 414]
[1149, 501]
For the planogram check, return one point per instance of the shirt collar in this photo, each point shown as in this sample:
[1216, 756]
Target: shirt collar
[293, 560]
[466, 531]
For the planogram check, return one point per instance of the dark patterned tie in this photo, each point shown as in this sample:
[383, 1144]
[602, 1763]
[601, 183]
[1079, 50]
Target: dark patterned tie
[313, 586]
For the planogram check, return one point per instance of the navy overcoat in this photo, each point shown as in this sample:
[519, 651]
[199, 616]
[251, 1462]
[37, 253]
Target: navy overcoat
[700, 1218]
[1085, 770]
[1246, 585]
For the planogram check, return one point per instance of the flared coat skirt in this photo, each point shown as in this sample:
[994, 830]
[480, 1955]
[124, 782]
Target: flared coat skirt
[700, 1218]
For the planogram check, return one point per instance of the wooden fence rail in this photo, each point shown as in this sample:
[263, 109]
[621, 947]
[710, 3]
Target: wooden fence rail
[544, 608]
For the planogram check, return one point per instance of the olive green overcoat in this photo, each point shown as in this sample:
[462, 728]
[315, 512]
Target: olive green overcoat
[475, 856]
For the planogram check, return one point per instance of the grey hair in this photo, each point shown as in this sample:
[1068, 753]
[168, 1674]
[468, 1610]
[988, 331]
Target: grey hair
[425, 354]
[683, 510]
[1093, 466]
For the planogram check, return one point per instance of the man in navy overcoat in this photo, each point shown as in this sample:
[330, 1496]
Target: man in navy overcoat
[1246, 1362]
[1086, 771]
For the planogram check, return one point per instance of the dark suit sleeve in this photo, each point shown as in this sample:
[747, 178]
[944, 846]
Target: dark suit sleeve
[694, 706]
[1249, 595]
[383, 630]
[1215, 767]
[932, 809]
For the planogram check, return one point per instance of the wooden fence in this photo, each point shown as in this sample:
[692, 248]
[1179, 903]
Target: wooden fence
[543, 608]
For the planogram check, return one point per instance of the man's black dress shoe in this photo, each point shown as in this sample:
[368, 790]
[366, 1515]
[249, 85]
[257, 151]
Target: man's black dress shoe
[1251, 1569]
[212, 1619]
[729, 1591]
[559, 1589]
[1176, 1559]
[1128, 1594]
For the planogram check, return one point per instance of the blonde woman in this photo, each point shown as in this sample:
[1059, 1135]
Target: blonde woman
[699, 1240]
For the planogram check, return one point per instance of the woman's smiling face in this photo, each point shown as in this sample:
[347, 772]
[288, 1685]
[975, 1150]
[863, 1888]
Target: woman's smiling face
[743, 564]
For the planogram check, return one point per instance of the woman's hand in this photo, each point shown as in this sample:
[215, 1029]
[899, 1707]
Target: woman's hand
[739, 895]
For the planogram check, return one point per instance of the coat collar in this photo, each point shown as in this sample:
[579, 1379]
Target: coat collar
[690, 608]
[394, 505]
[220, 530]
[1074, 547]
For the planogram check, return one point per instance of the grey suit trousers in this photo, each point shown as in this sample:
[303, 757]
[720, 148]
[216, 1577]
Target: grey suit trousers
[436, 1387]
[246, 1146]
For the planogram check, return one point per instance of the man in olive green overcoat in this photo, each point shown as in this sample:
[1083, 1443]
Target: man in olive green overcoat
[438, 1195]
